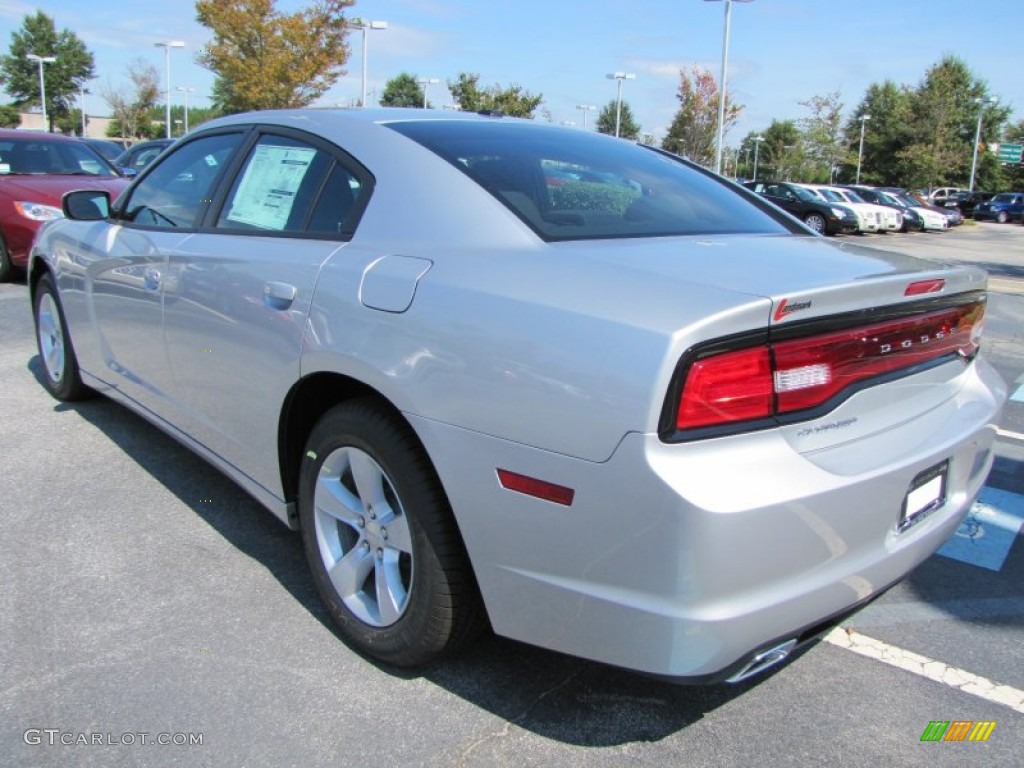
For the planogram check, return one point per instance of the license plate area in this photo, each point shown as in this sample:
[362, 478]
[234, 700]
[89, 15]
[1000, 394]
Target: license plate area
[927, 493]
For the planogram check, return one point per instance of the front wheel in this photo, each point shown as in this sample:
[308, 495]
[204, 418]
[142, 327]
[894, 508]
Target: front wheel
[816, 222]
[1002, 217]
[60, 366]
[7, 269]
[381, 540]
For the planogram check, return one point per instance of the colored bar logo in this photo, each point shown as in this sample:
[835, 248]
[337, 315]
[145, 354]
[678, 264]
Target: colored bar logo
[958, 730]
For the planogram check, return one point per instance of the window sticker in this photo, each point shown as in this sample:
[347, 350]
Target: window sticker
[266, 193]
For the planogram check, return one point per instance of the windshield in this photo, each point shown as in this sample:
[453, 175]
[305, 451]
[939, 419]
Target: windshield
[852, 196]
[1003, 197]
[571, 185]
[40, 156]
[832, 196]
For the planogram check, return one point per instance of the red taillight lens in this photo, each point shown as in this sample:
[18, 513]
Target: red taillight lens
[798, 374]
[725, 388]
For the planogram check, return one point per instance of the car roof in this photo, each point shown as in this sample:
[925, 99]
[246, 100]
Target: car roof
[17, 133]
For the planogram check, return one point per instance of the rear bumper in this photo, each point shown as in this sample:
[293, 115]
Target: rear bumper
[683, 561]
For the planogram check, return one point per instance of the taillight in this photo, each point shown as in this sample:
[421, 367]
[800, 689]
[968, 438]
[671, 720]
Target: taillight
[726, 388]
[785, 377]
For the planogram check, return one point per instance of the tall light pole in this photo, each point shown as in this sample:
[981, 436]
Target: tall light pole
[425, 82]
[366, 26]
[167, 45]
[186, 91]
[620, 76]
[42, 82]
[757, 146]
[860, 151]
[584, 108]
[991, 101]
[81, 91]
[721, 82]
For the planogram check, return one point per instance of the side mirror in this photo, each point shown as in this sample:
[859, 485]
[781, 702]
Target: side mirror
[86, 205]
[128, 173]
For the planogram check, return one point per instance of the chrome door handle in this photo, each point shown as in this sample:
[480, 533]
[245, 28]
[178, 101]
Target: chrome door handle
[151, 278]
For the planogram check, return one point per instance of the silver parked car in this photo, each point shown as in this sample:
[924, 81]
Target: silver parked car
[500, 370]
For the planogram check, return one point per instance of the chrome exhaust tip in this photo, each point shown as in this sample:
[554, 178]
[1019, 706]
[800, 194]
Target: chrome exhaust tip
[764, 660]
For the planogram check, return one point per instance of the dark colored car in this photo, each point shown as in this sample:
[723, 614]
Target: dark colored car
[109, 149]
[911, 219]
[142, 154]
[37, 169]
[967, 201]
[820, 215]
[1004, 207]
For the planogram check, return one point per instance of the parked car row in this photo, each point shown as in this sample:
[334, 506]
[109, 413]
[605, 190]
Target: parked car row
[848, 209]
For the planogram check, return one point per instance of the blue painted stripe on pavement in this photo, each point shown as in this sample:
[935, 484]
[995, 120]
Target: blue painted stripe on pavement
[988, 532]
[1018, 396]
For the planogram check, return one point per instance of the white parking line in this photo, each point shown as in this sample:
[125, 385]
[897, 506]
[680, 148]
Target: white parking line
[968, 682]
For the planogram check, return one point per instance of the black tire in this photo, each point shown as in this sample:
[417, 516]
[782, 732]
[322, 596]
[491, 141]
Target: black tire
[435, 605]
[8, 271]
[57, 357]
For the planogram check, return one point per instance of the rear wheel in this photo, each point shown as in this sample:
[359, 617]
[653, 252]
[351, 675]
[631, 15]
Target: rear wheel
[60, 366]
[816, 222]
[381, 540]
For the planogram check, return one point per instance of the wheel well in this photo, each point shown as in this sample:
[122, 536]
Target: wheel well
[39, 267]
[307, 401]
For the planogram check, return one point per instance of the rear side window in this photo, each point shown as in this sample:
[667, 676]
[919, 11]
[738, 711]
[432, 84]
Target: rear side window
[570, 185]
[288, 185]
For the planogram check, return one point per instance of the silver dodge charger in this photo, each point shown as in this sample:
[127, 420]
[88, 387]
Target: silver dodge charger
[502, 372]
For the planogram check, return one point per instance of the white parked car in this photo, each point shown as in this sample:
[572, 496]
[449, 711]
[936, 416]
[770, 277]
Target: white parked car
[889, 219]
[867, 220]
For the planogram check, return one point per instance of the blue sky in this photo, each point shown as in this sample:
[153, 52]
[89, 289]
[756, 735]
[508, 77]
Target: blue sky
[782, 52]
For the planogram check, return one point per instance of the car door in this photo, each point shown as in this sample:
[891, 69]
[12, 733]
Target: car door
[125, 286]
[239, 297]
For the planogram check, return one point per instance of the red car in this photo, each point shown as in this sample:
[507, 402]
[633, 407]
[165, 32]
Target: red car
[36, 169]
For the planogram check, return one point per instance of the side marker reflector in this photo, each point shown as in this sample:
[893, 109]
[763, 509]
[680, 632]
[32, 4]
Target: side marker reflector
[540, 489]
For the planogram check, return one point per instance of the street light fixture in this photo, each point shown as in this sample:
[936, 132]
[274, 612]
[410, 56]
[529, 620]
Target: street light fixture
[584, 108]
[620, 76]
[366, 26]
[186, 91]
[42, 82]
[721, 83]
[860, 152]
[167, 45]
[425, 82]
[990, 101]
[757, 146]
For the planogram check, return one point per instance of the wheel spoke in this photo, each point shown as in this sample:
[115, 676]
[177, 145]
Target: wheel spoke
[391, 593]
[349, 573]
[368, 478]
[335, 500]
[398, 536]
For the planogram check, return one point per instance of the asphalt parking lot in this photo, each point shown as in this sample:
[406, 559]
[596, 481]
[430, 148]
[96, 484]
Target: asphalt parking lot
[148, 599]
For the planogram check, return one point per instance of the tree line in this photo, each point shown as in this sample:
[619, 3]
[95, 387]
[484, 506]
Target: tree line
[263, 58]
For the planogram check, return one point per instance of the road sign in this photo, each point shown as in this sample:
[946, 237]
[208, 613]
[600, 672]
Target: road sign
[1010, 153]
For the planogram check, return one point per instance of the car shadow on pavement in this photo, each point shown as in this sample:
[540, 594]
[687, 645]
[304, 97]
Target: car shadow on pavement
[566, 699]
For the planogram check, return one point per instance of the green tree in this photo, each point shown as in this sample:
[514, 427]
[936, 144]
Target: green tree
[886, 132]
[943, 120]
[1013, 173]
[694, 130]
[131, 107]
[10, 116]
[265, 59]
[64, 77]
[781, 152]
[823, 140]
[629, 128]
[403, 90]
[513, 101]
